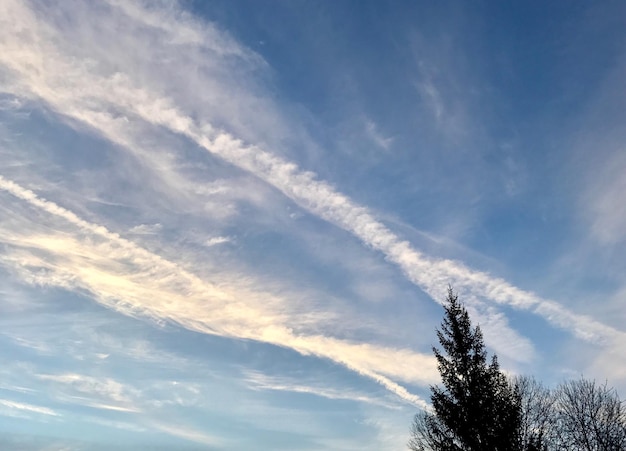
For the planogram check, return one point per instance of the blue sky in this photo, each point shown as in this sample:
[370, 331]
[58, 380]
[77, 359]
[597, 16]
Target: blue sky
[230, 225]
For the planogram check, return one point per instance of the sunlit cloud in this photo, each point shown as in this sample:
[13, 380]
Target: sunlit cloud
[186, 151]
[29, 408]
[123, 276]
[432, 275]
[45, 72]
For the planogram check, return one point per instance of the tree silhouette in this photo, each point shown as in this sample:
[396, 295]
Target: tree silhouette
[538, 421]
[590, 417]
[476, 409]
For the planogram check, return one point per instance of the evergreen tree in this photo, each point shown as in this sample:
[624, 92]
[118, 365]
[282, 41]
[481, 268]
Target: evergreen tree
[476, 409]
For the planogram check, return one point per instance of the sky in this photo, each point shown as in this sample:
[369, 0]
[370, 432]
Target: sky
[231, 225]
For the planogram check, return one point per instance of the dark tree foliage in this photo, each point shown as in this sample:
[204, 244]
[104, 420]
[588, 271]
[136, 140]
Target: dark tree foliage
[476, 409]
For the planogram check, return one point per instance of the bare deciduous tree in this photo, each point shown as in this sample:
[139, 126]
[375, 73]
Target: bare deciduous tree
[590, 417]
[425, 435]
[537, 428]
[477, 409]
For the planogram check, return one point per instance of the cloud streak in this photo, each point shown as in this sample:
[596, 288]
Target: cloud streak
[111, 92]
[30, 408]
[122, 276]
[259, 381]
[101, 393]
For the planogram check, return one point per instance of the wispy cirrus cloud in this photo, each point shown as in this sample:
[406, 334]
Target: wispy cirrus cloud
[122, 276]
[260, 381]
[24, 407]
[186, 433]
[101, 393]
[606, 187]
[116, 93]
[78, 398]
[376, 136]
[215, 240]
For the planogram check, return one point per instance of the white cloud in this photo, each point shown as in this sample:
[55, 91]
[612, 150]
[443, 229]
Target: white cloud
[259, 381]
[375, 135]
[186, 433]
[20, 406]
[146, 229]
[432, 96]
[10, 104]
[215, 240]
[39, 346]
[134, 281]
[100, 393]
[108, 394]
[604, 201]
[111, 83]
[127, 426]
